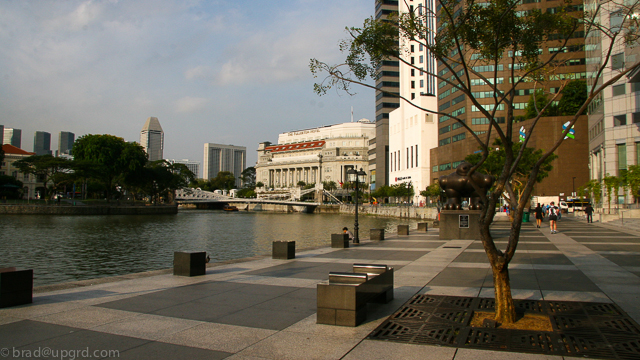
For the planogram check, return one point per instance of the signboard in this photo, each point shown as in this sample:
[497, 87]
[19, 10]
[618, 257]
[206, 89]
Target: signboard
[464, 221]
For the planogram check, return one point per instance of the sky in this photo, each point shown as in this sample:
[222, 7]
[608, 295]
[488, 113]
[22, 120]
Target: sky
[227, 72]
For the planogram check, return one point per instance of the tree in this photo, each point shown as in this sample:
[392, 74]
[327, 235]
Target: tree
[611, 184]
[259, 185]
[432, 192]
[110, 158]
[538, 102]
[330, 185]
[10, 187]
[46, 167]
[594, 189]
[633, 179]
[224, 180]
[520, 177]
[248, 177]
[301, 184]
[491, 31]
[573, 96]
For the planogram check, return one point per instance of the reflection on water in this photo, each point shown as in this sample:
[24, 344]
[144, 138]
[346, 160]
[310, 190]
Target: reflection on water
[68, 248]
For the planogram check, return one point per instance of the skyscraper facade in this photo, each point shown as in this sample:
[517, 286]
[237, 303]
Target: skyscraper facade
[152, 139]
[454, 143]
[12, 137]
[414, 132]
[219, 158]
[387, 84]
[65, 142]
[614, 116]
[42, 143]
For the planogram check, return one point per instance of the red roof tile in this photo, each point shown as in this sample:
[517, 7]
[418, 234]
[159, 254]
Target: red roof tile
[300, 146]
[10, 149]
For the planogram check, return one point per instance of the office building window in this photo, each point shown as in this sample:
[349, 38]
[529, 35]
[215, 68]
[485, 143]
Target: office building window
[417, 156]
[620, 120]
[635, 117]
[413, 84]
[412, 49]
[421, 83]
[617, 61]
[421, 59]
[618, 90]
[413, 96]
[622, 157]
[413, 72]
[413, 60]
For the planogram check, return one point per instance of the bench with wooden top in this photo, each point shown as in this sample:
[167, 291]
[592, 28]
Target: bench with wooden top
[343, 299]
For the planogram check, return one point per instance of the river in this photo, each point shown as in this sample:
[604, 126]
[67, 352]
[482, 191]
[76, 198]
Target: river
[69, 248]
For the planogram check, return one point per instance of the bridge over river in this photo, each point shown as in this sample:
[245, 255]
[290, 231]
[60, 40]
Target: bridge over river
[280, 197]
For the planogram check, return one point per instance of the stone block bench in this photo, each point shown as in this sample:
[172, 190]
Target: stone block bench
[189, 263]
[339, 241]
[343, 300]
[16, 287]
[283, 250]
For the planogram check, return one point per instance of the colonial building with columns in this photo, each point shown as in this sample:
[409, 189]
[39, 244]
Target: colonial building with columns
[315, 155]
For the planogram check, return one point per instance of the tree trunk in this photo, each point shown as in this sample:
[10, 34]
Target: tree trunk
[505, 310]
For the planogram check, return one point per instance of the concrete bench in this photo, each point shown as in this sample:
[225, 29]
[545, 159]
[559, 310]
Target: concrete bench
[343, 299]
[16, 287]
[189, 263]
[340, 241]
[423, 226]
[403, 229]
[283, 250]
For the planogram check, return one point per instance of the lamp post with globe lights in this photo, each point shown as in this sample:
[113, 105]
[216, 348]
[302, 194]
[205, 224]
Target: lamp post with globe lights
[356, 177]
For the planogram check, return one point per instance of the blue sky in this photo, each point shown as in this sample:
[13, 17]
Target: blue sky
[230, 72]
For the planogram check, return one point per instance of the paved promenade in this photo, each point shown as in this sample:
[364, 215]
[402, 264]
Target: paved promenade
[266, 309]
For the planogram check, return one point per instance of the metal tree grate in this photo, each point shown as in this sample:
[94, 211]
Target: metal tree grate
[595, 330]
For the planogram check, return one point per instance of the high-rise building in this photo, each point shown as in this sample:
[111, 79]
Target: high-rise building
[414, 132]
[219, 158]
[12, 137]
[614, 116]
[42, 143]
[387, 84]
[194, 166]
[454, 141]
[65, 142]
[152, 139]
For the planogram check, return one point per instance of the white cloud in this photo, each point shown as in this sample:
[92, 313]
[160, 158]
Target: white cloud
[190, 104]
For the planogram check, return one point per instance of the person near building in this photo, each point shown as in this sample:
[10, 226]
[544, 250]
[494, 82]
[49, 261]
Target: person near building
[552, 212]
[539, 215]
[589, 212]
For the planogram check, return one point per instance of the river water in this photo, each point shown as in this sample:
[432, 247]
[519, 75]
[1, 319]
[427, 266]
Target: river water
[70, 248]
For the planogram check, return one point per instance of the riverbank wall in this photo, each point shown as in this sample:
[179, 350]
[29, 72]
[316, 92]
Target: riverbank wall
[408, 212]
[87, 210]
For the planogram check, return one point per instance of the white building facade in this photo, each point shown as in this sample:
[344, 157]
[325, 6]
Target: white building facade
[315, 155]
[152, 139]
[412, 131]
[218, 157]
[614, 117]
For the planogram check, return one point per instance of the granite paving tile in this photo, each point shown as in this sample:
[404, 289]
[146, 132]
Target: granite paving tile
[219, 337]
[159, 350]
[624, 260]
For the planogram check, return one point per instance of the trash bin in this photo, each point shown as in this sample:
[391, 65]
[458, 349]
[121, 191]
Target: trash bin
[525, 217]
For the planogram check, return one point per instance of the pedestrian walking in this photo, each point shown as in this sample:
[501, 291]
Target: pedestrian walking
[553, 217]
[539, 215]
[589, 212]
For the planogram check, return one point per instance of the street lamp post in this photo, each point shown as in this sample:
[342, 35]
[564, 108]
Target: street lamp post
[356, 177]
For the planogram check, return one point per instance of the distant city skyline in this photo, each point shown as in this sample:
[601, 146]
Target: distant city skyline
[226, 72]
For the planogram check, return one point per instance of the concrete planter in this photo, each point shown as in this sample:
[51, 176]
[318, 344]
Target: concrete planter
[189, 263]
[283, 250]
